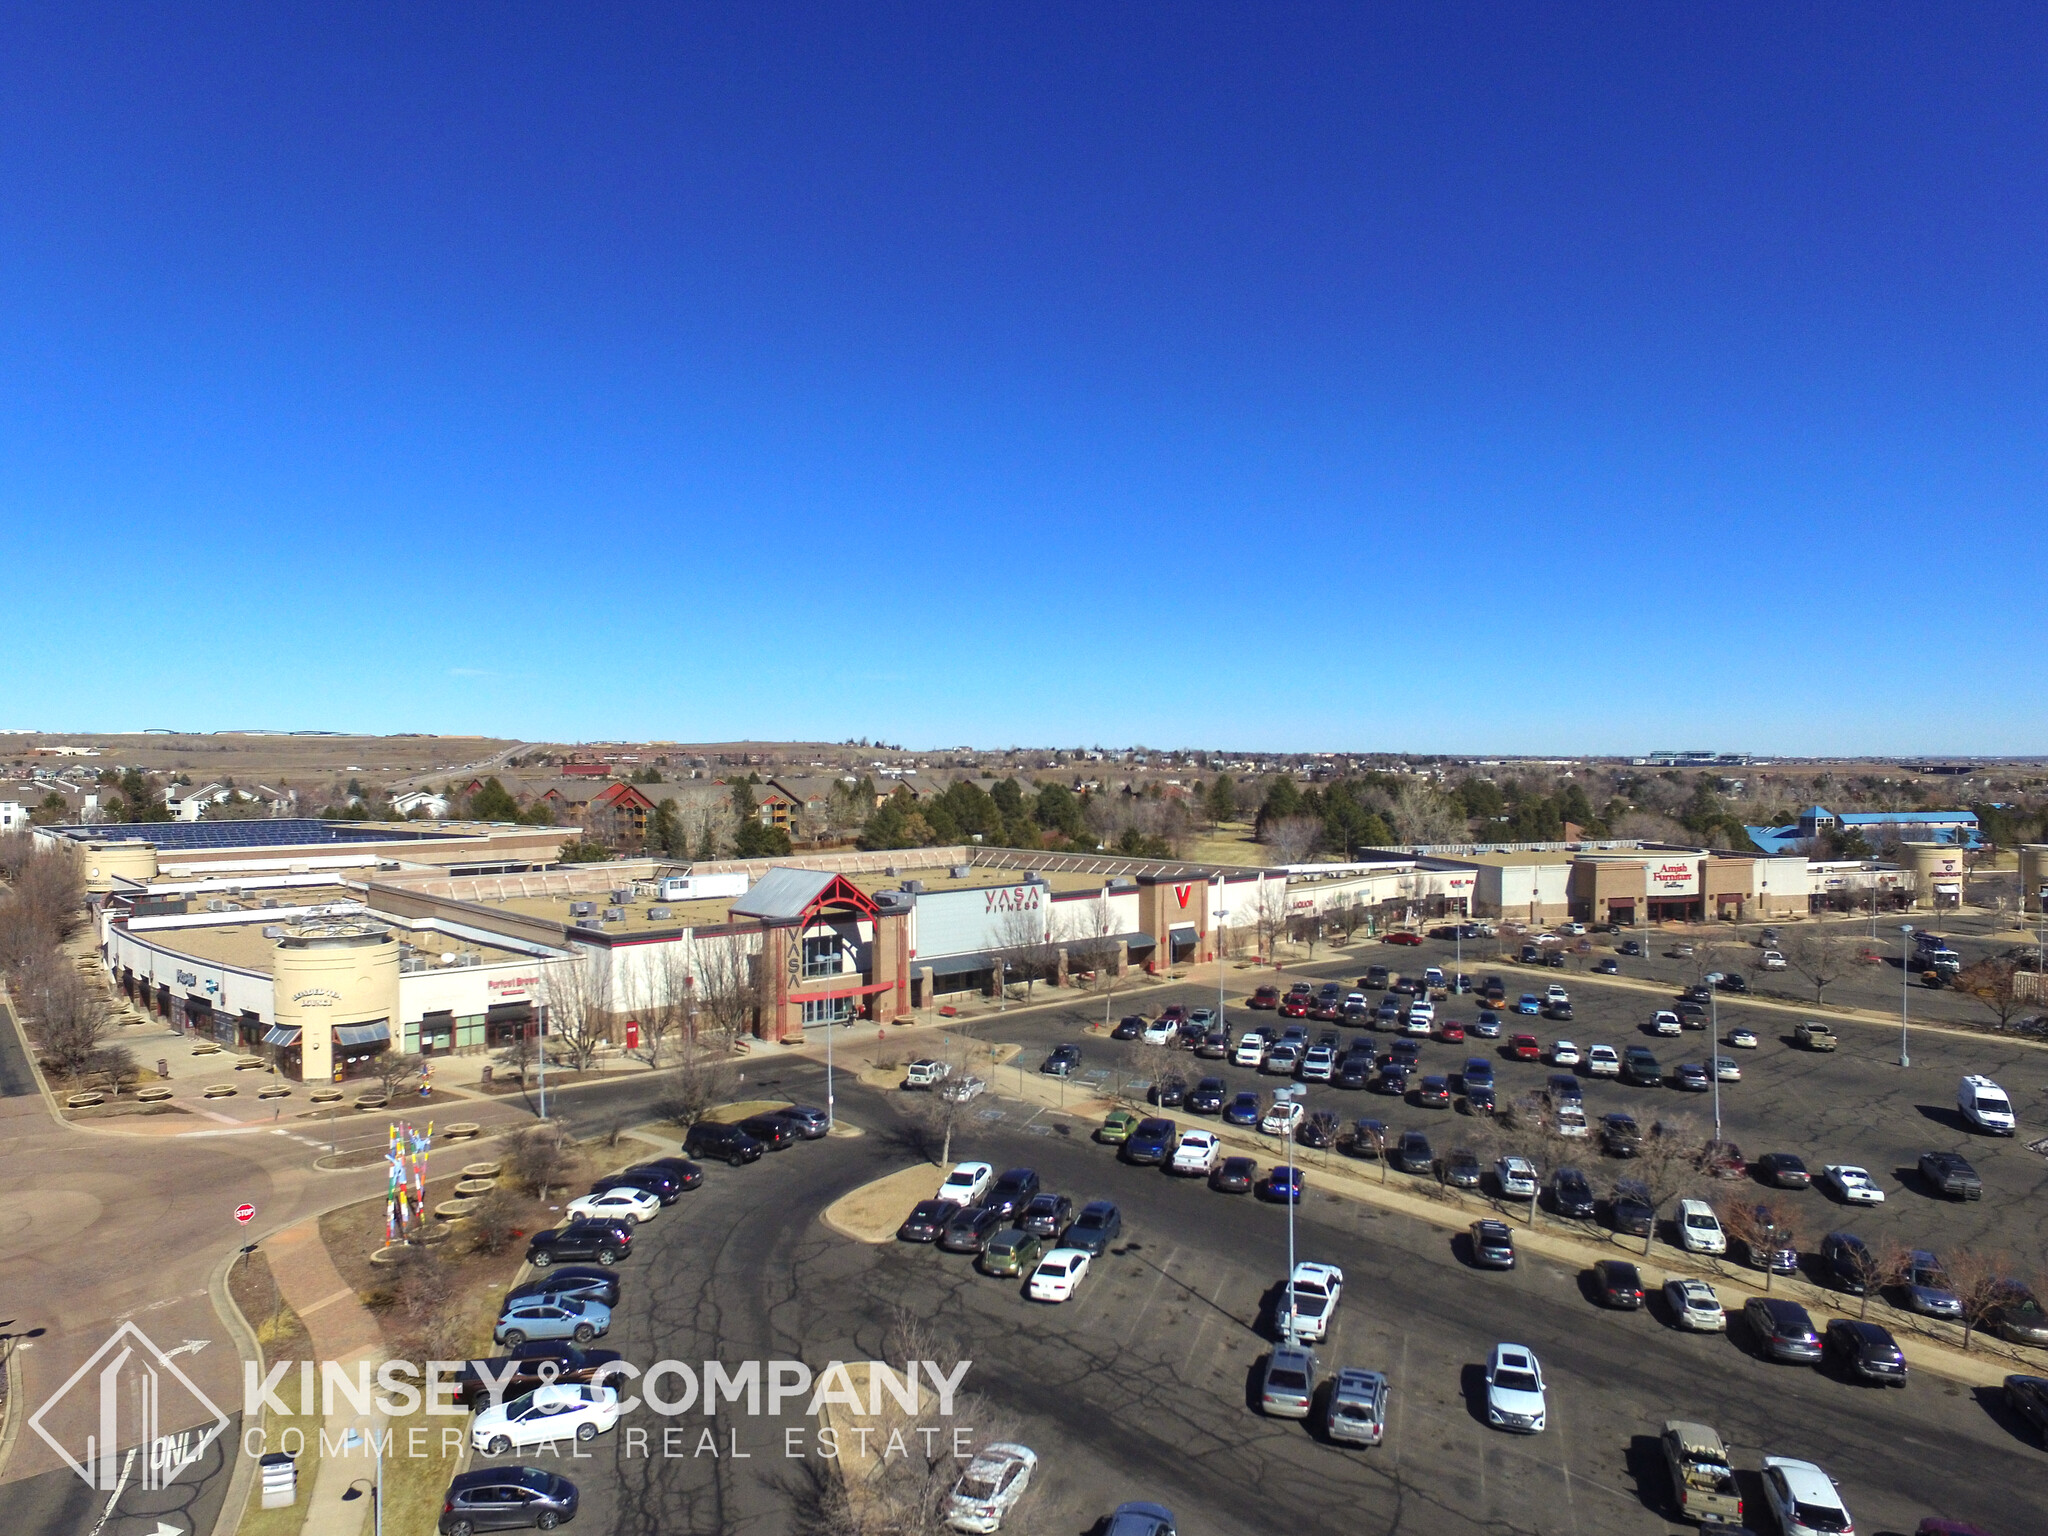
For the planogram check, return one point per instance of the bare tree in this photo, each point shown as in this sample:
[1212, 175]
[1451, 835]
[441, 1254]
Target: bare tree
[392, 1070]
[1762, 1227]
[1024, 940]
[1525, 1128]
[940, 1114]
[1269, 917]
[579, 1002]
[699, 1078]
[1817, 956]
[1991, 983]
[1371, 1138]
[658, 998]
[539, 1156]
[1420, 814]
[1875, 1268]
[1090, 935]
[1668, 1165]
[1150, 1064]
[729, 987]
[493, 1222]
[1292, 839]
[1306, 928]
[69, 1021]
[1977, 1280]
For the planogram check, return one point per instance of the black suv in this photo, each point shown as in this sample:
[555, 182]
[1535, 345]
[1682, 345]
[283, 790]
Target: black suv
[1847, 1262]
[1620, 1135]
[506, 1499]
[687, 1173]
[1629, 1210]
[1570, 1194]
[1095, 1228]
[654, 1181]
[772, 1131]
[1012, 1192]
[1639, 1066]
[1951, 1174]
[1209, 1096]
[536, 1363]
[586, 1282]
[605, 1242]
[729, 1142]
[1152, 1142]
[1048, 1215]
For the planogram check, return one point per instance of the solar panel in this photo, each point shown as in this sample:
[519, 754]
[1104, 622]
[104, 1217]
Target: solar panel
[286, 832]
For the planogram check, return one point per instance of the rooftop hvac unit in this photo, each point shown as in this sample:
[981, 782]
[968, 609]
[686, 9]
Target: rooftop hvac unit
[269, 901]
[590, 922]
[216, 905]
[621, 896]
[913, 887]
[273, 931]
[890, 871]
[962, 871]
[614, 914]
[1123, 883]
[582, 908]
[658, 914]
[408, 967]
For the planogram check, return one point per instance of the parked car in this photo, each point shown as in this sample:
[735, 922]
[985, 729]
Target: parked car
[1281, 1060]
[1742, 1039]
[1234, 1176]
[1691, 1077]
[1620, 1136]
[1516, 1177]
[1287, 1388]
[970, 1227]
[1951, 1174]
[1786, 1170]
[1208, 1096]
[1434, 1092]
[1011, 1252]
[1782, 1329]
[990, 1487]
[579, 1280]
[1529, 1004]
[1063, 1061]
[506, 1499]
[1152, 1142]
[1117, 1126]
[728, 1143]
[1281, 1117]
[1847, 1262]
[1357, 1410]
[601, 1242]
[1311, 1298]
[1853, 1184]
[536, 1363]
[2017, 1315]
[1570, 1195]
[927, 1219]
[1814, 1036]
[1058, 1275]
[1607, 965]
[1699, 1229]
[1723, 1160]
[1525, 1048]
[772, 1131]
[1487, 1026]
[546, 1415]
[1197, 1155]
[1283, 1183]
[1169, 1092]
[1514, 1390]
[1012, 1192]
[1413, 1154]
[1804, 1499]
[665, 1186]
[1129, 1027]
[1264, 998]
[1048, 1215]
[1666, 1022]
[619, 1203]
[1629, 1209]
[1214, 1044]
[1564, 1054]
[2027, 1396]
[558, 1317]
[1139, 1519]
[1866, 1351]
[1639, 1066]
[1493, 1244]
[1927, 1287]
[1694, 1306]
[1618, 1284]
[1160, 1031]
[810, 1122]
[967, 1183]
[1099, 1224]
[1461, 1169]
[1246, 1109]
[963, 1090]
[925, 1073]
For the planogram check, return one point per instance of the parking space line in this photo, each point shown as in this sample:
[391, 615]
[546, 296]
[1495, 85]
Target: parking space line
[1158, 1279]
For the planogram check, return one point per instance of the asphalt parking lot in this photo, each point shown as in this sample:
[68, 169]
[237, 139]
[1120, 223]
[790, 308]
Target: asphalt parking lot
[1852, 1105]
[1140, 1387]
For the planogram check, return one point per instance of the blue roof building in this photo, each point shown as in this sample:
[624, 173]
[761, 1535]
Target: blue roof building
[1959, 827]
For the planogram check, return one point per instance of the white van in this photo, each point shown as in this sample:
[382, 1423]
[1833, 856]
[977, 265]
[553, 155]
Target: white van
[1985, 1105]
[1699, 1229]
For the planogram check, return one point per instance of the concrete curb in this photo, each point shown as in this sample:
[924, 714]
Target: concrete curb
[235, 1504]
[10, 1424]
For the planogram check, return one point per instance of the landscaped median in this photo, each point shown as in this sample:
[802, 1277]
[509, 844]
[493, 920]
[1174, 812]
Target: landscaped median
[872, 1213]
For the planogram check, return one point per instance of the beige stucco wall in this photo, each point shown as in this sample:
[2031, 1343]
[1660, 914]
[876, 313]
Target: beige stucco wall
[323, 982]
[105, 861]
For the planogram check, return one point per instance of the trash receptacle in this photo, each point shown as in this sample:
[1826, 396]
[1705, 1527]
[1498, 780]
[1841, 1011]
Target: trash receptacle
[485, 1080]
[280, 1475]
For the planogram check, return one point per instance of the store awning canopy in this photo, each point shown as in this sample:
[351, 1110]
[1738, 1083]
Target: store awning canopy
[362, 1034]
[961, 965]
[1133, 942]
[1947, 889]
[280, 1035]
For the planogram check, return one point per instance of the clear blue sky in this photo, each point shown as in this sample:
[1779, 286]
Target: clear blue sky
[1451, 377]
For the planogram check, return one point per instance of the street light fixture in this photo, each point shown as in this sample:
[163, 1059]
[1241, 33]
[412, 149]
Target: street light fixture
[1905, 976]
[355, 1489]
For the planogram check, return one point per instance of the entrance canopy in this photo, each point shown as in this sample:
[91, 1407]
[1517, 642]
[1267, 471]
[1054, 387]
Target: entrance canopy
[281, 1035]
[362, 1034]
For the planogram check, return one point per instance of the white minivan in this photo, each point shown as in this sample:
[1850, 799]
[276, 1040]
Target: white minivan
[1985, 1105]
[1699, 1229]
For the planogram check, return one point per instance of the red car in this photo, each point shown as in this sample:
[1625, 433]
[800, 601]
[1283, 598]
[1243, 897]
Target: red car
[1174, 1015]
[1450, 1030]
[1265, 997]
[1724, 1160]
[1403, 938]
[1525, 1048]
[1294, 1007]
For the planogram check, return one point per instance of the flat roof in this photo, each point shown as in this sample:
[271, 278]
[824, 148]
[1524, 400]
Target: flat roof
[1511, 860]
[243, 945]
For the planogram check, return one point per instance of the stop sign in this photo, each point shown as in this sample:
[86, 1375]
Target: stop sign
[244, 1213]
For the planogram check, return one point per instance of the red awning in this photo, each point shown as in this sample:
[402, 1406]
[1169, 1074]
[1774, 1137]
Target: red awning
[808, 996]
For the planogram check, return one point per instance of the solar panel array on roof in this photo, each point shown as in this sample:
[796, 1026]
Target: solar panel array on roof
[289, 831]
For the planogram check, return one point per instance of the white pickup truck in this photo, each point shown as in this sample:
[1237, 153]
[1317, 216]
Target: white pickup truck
[926, 1073]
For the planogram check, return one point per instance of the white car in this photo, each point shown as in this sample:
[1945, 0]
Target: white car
[1728, 1069]
[1576, 930]
[545, 1415]
[1198, 1153]
[1564, 1054]
[1853, 1184]
[1251, 1049]
[1312, 1295]
[1694, 1306]
[963, 1091]
[1556, 994]
[967, 1183]
[1058, 1274]
[1514, 1390]
[1421, 1012]
[1771, 960]
[1699, 1229]
[1804, 1498]
[1517, 1176]
[1603, 1061]
[1745, 1039]
[620, 1204]
[1283, 1117]
[990, 1487]
[1159, 1032]
[1665, 1022]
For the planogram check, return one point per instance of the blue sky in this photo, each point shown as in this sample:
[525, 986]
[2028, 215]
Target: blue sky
[1445, 378]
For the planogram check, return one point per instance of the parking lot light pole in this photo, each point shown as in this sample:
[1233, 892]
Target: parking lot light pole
[1714, 1043]
[1905, 977]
